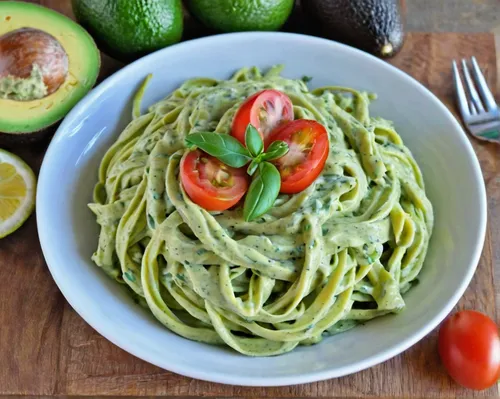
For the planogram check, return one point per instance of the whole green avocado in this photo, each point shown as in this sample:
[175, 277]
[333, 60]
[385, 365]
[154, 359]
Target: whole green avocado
[241, 15]
[375, 26]
[129, 29]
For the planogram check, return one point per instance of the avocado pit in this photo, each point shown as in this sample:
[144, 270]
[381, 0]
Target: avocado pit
[33, 64]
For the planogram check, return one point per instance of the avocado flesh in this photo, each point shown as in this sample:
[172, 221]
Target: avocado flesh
[375, 26]
[21, 112]
[24, 89]
[129, 29]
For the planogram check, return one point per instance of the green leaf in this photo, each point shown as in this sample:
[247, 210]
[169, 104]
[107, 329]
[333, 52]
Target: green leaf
[276, 150]
[222, 146]
[306, 78]
[253, 167]
[262, 192]
[253, 140]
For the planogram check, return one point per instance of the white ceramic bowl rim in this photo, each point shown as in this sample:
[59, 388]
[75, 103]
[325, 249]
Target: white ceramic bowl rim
[109, 331]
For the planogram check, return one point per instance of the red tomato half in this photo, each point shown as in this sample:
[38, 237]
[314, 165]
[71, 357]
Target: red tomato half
[211, 184]
[308, 143]
[265, 110]
[469, 347]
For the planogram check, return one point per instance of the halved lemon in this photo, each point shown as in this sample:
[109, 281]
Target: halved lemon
[17, 192]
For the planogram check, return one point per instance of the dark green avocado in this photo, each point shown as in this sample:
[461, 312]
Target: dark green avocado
[129, 29]
[241, 15]
[375, 26]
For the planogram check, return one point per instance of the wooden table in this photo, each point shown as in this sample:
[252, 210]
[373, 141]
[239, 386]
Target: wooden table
[47, 349]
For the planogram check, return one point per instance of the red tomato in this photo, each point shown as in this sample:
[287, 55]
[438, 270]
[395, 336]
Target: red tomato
[469, 347]
[211, 184]
[265, 110]
[309, 146]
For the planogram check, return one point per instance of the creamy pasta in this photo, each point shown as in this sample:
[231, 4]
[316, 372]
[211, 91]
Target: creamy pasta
[341, 252]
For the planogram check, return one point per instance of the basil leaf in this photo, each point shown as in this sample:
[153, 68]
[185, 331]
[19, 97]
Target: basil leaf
[253, 166]
[253, 140]
[276, 150]
[262, 192]
[222, 146]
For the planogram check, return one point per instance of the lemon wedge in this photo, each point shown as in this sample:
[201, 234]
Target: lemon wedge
[17, 192]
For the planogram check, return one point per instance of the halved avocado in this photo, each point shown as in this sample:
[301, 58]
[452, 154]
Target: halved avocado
[47, 64]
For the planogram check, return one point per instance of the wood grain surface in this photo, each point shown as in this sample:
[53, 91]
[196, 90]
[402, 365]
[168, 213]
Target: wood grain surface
[47, 349]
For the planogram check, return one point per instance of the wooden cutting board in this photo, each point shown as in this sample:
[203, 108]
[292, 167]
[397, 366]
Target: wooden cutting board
[47, 349]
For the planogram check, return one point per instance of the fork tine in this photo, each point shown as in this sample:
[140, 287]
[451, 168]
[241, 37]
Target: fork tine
[473, 109]
[459, 88]
[472, 90]
[488, 98]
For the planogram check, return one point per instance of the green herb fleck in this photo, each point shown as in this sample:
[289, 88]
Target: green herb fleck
[130, 276]
[151, 221]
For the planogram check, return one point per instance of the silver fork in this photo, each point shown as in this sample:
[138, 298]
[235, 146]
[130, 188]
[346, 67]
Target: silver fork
[480, 113]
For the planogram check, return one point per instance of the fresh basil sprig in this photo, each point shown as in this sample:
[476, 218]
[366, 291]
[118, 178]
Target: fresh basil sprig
[221, 146]
[253, 141]
[266, 184]
[262, 192]
[253, 167]
[276, 150]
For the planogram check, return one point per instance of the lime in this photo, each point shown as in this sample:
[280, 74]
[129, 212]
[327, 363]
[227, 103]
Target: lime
[241, 15]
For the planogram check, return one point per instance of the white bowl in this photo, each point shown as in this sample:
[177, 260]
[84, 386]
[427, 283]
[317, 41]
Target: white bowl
[68, 231]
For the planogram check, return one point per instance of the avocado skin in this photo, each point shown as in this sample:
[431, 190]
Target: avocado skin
[240, 15]
[369, 25]
[13, 139]
[128, 29]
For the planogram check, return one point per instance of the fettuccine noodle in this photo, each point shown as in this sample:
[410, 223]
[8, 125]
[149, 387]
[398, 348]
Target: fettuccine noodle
[341, 252]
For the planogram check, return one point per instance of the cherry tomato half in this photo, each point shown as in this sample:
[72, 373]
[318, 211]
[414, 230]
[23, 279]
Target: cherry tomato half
[308, 143]
[469, 347]
[211, 184]
[265, 110]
